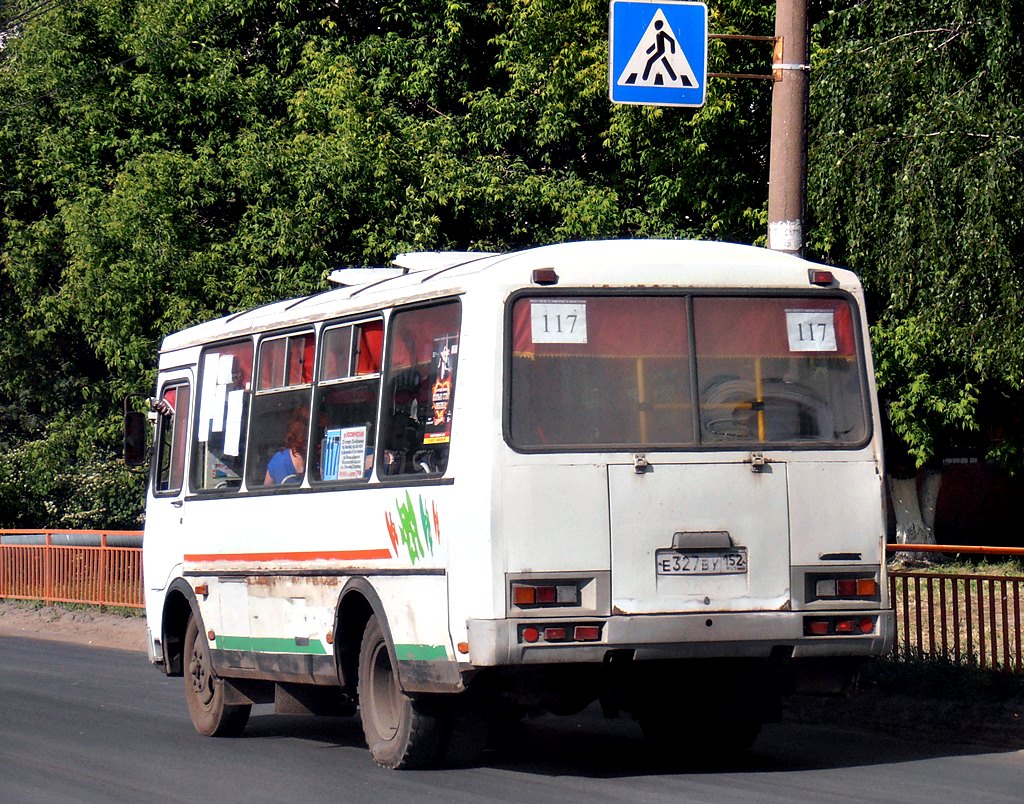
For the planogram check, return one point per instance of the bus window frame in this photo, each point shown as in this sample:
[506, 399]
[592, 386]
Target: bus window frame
[410, 478]
[193, 466]
[185, 430]
[321, 387]
[689, 295]
[258, 393]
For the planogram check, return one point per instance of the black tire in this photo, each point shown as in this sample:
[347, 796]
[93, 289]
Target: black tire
[204, 691]
[401, 731]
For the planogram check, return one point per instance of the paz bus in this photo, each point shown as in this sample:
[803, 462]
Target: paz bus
[641, 473]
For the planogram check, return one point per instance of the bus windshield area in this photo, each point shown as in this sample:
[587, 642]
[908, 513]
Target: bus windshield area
[674, 371]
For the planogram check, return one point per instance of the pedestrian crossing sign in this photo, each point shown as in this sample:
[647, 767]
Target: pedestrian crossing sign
[658, 53]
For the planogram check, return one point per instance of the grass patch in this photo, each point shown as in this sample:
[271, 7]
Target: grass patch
[38, 605]
[959, 565]
[926, 677]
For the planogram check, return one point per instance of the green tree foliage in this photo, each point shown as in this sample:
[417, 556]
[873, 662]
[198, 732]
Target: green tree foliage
[166, 162]
[916, 182]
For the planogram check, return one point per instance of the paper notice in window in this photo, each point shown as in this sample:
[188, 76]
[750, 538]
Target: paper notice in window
[352, 462]
[207, 402]
[811, 330]
[233, 429]
[558, 321]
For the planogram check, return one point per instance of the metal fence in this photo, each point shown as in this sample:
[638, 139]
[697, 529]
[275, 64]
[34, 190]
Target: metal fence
[100, 567]
[965, 618]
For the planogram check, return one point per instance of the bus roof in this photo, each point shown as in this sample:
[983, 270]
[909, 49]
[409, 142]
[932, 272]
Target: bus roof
[596, 263]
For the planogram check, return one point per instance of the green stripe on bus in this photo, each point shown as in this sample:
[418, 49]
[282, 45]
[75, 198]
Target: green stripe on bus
[270, 644]
[420, 653]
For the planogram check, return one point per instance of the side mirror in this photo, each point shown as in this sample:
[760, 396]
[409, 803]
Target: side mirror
[134, 438]
[134, 434]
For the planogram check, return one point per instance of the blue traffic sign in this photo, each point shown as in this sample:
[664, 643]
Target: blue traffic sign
[658, 53]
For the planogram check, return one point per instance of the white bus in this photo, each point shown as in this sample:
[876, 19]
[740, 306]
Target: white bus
[471, 487]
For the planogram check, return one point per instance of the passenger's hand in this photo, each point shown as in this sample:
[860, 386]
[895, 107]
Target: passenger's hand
[163, 407]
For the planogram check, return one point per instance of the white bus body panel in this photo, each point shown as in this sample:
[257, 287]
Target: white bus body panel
[274, 564]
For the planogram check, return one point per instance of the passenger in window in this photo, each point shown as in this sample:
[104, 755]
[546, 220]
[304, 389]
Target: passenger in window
[288, 464]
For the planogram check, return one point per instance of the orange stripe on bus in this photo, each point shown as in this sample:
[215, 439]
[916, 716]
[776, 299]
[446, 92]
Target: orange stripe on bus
[342, 555]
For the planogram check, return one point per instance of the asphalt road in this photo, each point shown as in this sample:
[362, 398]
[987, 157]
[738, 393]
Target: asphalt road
[90, 724]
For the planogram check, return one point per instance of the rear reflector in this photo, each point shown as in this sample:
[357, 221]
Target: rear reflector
[562, 633]
[587, 633]
[839, 626]
[819, 277]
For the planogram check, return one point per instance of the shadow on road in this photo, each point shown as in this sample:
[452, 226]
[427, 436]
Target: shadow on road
[589, 746]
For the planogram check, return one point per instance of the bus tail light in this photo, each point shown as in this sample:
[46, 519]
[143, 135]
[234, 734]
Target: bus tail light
[530, 595]
[839, 626]
[847, 587]
[587, 633]
[561, 633]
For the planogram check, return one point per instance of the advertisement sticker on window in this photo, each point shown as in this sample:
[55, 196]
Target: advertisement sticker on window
[445, 359]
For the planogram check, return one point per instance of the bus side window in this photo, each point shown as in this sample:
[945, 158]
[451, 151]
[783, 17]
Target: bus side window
[279, 432]
[346, 402]
[416, 421]
[170, 459]
[218, 450]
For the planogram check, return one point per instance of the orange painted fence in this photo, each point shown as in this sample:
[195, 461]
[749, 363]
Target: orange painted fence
[965, 618]
[100, 567]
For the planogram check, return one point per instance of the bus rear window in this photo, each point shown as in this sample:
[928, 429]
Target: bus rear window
[778, 370]
[602, 371]
[623, 372]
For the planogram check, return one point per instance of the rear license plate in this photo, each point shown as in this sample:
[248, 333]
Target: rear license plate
[719, 562]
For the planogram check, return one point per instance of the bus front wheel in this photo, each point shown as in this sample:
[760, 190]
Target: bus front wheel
[402, 732]
[204, 691]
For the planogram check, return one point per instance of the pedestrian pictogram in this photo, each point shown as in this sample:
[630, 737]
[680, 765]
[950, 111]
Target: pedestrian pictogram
[658, 53]
[658, 60]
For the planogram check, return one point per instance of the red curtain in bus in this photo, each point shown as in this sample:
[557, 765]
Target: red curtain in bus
[617, 326]
[739, 327]
[371, 347]
[414, 332]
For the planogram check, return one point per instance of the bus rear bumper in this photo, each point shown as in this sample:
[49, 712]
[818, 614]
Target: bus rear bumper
[677, 636]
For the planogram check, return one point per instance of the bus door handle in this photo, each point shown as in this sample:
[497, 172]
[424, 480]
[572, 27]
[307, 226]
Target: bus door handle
[178, 503]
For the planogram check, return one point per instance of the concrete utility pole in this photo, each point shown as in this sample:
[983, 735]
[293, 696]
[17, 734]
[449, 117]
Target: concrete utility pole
[787, 169]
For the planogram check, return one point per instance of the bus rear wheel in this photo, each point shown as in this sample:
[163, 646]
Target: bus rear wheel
[401, 731]
[204, 691]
